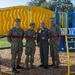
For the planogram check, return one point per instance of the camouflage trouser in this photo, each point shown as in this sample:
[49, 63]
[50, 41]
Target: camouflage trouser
[54, 52]
[16, 53]
[29, 51]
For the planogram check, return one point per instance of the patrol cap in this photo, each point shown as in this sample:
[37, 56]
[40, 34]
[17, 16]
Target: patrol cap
[42, 22]
[51, 19]
[17, 20]
[32, 24]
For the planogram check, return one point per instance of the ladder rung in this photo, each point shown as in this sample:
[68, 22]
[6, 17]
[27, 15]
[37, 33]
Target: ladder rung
[72, 72]
[71, 37]
[71, 41]
[72, 55]
[72, 63]
[71, 48]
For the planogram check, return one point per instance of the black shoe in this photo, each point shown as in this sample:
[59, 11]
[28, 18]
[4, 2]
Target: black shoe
[26, 68]
[52, 65]
[45, 67]
[15, 71]
[56, 67]
[19, 67]
[41, 65]
[32, 66]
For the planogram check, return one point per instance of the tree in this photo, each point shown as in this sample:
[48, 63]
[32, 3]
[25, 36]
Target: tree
[74, 7]
[64, 5]
[36, 2]
[51, 6]
[44, 5]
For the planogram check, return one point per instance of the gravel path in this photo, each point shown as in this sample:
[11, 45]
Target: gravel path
[5, 67]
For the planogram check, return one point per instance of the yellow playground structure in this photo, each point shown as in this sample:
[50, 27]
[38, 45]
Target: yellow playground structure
[27, 14]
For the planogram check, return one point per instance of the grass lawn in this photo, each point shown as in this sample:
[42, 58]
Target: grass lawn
[5, 43]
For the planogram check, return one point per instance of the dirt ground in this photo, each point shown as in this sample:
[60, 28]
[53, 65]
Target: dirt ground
[5, 67]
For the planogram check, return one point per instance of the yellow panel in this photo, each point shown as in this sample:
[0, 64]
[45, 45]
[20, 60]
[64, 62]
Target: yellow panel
[0, 21]
[40, 14]
[27, 14]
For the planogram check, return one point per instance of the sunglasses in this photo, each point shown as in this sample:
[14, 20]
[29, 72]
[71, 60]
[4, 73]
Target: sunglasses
[17, 21]
[51, 21]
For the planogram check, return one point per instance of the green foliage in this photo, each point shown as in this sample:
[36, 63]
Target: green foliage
[51, 4]
[44, 5]
[67, 6]
[74, 7]
[36, 2]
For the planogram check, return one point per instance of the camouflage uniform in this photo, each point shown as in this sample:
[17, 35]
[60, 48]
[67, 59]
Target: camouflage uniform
[54, 48]
[30, 46]
[16, 45]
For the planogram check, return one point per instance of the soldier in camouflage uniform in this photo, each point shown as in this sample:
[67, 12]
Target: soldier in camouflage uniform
[54, 43]
[30, 45]
[16, 45]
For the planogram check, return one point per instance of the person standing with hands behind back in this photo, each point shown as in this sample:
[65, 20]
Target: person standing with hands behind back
[17, 34]
[54, 43]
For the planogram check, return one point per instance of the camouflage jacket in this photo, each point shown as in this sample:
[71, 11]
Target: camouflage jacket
[18, 33]
[54, 31]
[30, 41]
